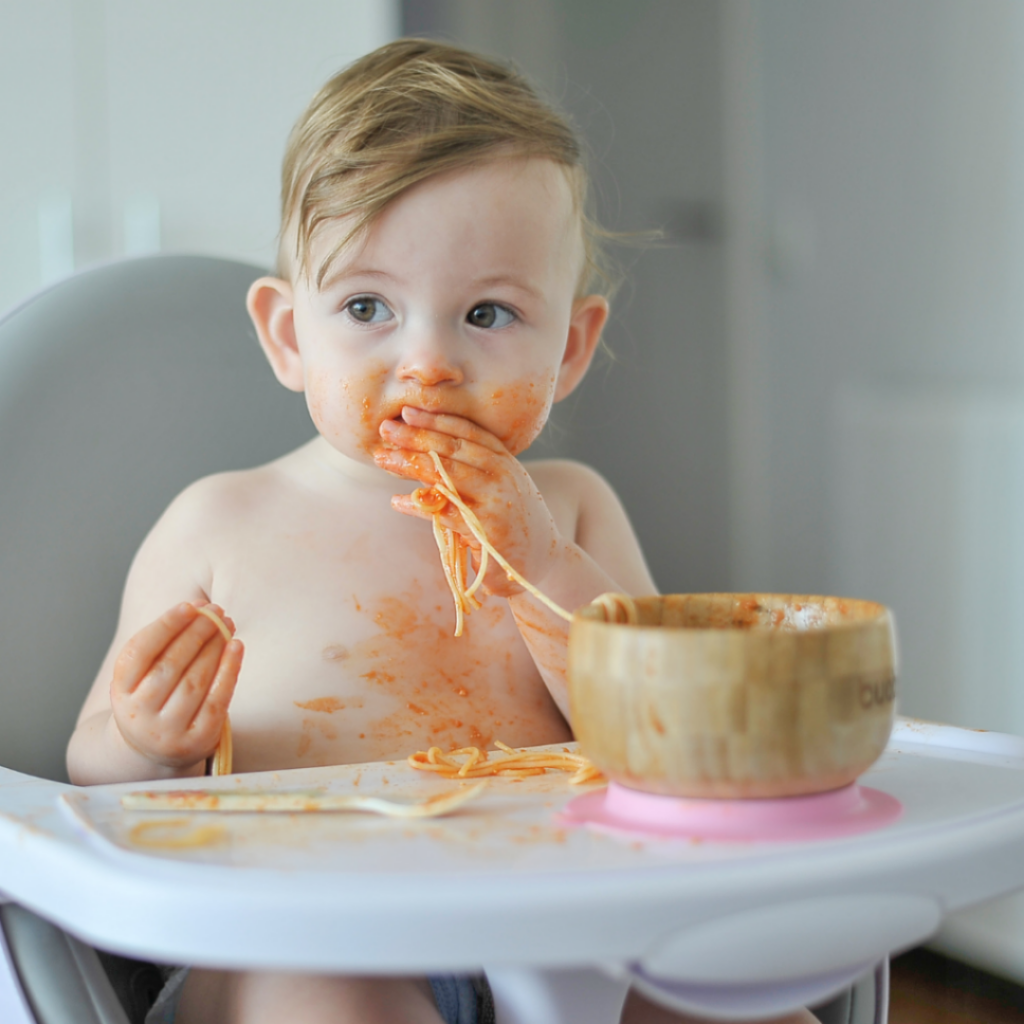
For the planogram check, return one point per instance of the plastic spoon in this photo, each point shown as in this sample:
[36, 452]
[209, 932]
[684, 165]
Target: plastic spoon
[295, 800]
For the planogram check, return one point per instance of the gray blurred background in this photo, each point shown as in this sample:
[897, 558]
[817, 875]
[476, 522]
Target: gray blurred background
[815, 381]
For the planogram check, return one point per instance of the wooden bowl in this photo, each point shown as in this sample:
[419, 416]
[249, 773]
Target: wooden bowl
[734, 695]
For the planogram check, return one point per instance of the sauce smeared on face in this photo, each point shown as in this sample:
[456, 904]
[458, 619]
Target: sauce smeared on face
[523, 409]
[348, 411]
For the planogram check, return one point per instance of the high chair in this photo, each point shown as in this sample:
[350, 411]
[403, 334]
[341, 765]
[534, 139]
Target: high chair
[122, 384]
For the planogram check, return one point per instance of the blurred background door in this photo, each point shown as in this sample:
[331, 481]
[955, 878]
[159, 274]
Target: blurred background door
[889, 330]
[643, 82]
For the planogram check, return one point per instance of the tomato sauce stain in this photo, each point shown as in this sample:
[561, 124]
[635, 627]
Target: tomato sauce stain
[439, 690]
[327, 705]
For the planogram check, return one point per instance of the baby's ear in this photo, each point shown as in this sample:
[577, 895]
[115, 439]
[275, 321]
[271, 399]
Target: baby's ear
[589, 315]
[271, 305]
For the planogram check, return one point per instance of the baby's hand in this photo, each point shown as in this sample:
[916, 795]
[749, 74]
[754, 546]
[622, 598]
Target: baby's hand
[172, 685]
[489, 480]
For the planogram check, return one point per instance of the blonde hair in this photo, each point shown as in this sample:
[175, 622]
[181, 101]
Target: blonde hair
[406, 112]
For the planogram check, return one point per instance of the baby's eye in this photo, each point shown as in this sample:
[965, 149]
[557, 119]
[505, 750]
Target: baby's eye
[368, 310]
[490, 315]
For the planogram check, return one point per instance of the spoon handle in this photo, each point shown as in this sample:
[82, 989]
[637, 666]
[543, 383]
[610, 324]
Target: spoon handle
[294, 801]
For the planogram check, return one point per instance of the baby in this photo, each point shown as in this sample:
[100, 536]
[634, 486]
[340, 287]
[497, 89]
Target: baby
[435, 293]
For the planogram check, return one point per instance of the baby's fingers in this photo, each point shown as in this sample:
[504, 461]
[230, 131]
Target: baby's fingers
[171, 665]
[466, 451]
[209, 717]
[420, 466]
[449, 515]
[455, 428]
[145, 647]
[424, 503]
[192, 685]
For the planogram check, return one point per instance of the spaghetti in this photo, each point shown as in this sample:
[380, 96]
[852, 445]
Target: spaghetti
[220, 762]
[452, 548]
[516, 763]
[454, 555]
[618, 608]
[216, 620]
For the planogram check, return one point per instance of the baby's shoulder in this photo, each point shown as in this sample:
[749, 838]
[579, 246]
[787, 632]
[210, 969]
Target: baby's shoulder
[177, 559]
[569, 488]
[564, 477]
[229, 494]
[221, 504]
[587, 510]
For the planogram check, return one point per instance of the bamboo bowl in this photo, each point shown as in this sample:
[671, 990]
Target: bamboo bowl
[734, 695]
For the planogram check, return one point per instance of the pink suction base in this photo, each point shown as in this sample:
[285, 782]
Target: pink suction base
[840, 812]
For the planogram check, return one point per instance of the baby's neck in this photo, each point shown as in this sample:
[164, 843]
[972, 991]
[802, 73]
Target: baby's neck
[346, 470]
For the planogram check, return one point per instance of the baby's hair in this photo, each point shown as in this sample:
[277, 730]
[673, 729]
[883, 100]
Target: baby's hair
[408, 111]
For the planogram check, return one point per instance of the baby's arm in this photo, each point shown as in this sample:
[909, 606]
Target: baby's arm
[564, 531]
[160, 698]
[598, 552]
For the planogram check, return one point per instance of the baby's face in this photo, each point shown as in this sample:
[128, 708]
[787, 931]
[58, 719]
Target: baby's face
[459, 301]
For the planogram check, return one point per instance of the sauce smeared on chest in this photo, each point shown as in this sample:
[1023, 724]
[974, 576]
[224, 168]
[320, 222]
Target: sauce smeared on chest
[419, 685]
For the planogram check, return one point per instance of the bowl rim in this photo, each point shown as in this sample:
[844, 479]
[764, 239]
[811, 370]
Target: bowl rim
[876, 613]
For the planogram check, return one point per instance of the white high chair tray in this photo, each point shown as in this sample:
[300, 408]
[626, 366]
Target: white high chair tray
[502, 882]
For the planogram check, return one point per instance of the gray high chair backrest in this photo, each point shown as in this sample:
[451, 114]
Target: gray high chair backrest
[118, 387]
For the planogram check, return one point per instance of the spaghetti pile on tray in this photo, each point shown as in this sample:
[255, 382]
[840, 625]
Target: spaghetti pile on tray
[516, 763]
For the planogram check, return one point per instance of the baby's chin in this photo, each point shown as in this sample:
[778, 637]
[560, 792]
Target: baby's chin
[517, 445]
[520, 434]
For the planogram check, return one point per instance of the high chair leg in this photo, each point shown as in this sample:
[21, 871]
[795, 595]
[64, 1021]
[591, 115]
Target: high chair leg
[866, 1002]
[14, 1008]
[578, 996]
[62, 978]
[880, 992]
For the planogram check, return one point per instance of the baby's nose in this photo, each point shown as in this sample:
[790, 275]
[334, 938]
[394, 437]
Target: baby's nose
[430, 366]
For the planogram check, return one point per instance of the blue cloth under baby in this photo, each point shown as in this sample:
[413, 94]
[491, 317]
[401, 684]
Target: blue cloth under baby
[455, 995]
[456, 998]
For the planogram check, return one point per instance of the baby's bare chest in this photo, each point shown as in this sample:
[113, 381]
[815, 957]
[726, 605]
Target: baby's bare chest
[350, 653]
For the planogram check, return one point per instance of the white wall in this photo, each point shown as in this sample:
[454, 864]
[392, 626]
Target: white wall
[131, 124]
[877, 151]
[890, 158]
